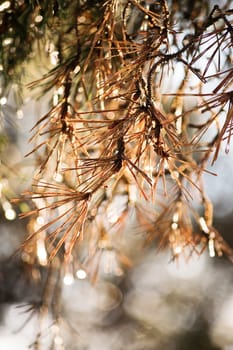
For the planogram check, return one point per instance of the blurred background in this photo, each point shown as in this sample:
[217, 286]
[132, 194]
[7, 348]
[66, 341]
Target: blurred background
[157, 303]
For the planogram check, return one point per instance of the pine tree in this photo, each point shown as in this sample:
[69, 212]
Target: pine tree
[140, 104]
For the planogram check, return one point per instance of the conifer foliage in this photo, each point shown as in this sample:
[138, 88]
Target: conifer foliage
[141, 103]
